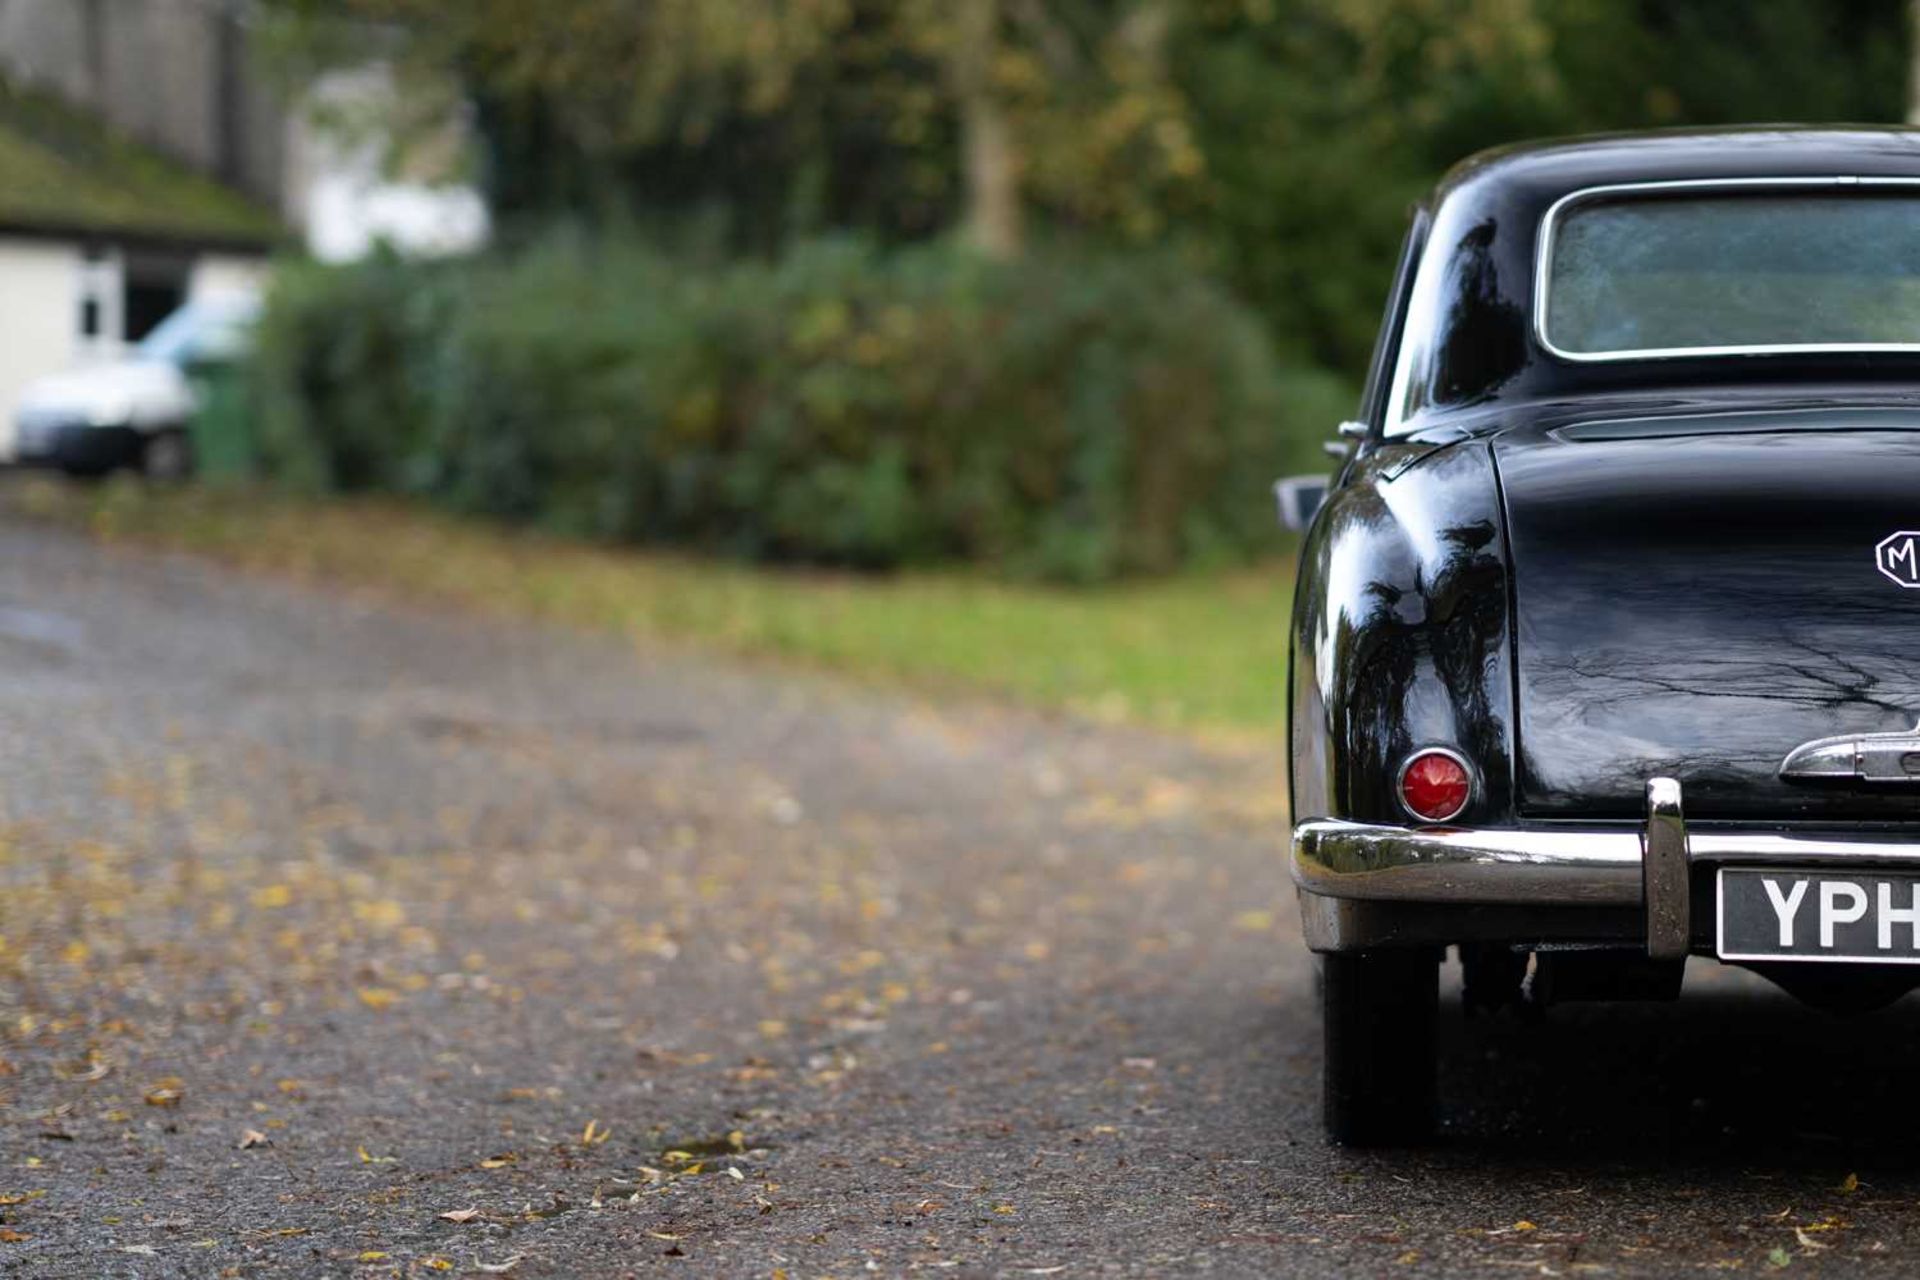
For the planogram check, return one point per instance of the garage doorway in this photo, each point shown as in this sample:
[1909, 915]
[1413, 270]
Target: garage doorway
[155, 287]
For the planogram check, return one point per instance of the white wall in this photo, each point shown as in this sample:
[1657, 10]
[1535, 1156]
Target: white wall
[39, 318]
[341, 191]
[347, 213]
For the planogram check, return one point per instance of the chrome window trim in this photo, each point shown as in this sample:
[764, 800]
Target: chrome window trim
[1543, 262]
[1394, 420]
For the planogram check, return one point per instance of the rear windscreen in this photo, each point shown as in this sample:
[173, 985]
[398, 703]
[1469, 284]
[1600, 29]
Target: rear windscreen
[1669, 274]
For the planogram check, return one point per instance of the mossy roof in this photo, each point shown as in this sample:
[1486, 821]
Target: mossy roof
[62, 169]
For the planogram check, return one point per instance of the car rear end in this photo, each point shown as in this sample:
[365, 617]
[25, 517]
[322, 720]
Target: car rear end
[1710, 543]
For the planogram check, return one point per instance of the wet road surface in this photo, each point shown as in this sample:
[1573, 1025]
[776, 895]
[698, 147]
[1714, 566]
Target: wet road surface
[339, 937]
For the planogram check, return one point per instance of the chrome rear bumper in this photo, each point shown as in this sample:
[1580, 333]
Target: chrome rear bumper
[1410, 864]
[1636, 877]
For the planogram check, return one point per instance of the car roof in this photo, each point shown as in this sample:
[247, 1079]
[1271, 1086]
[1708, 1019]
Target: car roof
[1659, 155]
[1469, 343]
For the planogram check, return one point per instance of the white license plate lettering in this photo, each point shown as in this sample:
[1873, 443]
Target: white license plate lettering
[1817, 915]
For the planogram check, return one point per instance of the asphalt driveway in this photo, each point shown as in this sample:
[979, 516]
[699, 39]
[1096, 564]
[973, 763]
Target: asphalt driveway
[339, 937]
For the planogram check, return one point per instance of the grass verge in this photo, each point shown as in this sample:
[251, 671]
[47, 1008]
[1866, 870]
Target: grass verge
[1198, 651]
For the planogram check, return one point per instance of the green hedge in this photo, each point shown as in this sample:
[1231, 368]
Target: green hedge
[1068, 417]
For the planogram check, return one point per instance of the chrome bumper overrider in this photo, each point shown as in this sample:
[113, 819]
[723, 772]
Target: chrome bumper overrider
[1645, 867]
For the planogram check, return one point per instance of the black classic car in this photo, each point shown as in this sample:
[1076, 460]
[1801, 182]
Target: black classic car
[1606, 651]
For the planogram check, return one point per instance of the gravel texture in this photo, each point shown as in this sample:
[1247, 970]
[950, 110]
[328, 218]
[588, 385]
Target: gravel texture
[343, 937]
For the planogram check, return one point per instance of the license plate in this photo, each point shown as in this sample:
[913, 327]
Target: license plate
[1818, 915]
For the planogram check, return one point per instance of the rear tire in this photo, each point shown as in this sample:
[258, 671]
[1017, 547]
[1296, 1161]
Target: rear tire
[1379, 1010]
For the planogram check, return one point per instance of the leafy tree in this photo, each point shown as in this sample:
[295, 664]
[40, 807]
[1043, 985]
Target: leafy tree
[790, 112]
[1277, 141]
[1322, 120]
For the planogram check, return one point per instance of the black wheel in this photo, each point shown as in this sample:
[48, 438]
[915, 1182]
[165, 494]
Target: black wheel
[167, 457]
[1379, 1009]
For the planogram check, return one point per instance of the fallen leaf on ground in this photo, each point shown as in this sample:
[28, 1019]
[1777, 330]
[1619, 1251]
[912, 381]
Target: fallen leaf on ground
[254, 1138]
[9, 1236]
[167, 1092]
[460, 1215]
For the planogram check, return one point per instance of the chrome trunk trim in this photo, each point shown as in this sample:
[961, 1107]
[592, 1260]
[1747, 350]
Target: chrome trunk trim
[1856, 757]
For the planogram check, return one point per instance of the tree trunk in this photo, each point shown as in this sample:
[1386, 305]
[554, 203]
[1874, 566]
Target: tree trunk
[990, 156]
[93, 46]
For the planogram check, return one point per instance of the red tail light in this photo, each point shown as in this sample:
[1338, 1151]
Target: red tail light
[1435, 785]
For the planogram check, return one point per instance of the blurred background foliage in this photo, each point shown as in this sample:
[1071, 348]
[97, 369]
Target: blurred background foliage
[1073, 416]
[1057, 285]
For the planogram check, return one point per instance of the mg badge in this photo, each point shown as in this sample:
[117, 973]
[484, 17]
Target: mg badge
[1898, 556]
